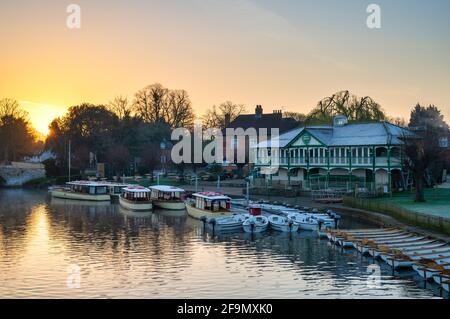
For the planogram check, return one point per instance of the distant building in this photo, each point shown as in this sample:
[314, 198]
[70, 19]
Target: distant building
[258, 121]
[369, 153]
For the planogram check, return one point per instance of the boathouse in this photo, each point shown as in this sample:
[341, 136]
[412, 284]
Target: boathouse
[340, 155]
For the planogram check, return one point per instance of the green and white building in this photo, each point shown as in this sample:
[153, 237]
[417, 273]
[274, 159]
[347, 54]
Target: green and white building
[341, 154]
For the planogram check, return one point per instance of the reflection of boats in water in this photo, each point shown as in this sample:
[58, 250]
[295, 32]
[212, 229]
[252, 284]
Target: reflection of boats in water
[170, 212]
[56, 201]
[81, 206]
[135, 214]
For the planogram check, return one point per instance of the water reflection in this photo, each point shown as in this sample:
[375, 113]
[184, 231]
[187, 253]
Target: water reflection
[167, 254]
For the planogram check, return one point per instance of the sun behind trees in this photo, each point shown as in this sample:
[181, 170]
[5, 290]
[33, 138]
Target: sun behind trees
[121, 134]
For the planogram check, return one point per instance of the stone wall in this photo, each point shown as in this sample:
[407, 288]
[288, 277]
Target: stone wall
[17, 174]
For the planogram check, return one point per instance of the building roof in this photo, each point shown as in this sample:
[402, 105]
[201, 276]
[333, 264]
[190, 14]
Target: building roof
[260, 120]
[358, 134]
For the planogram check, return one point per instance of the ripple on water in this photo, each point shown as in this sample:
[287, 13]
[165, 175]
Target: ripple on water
[165, 255]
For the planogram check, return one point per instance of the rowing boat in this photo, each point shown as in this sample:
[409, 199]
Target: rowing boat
[428, 268]
[365, 246]
[386, 250]
[442, 278]
[401, 261]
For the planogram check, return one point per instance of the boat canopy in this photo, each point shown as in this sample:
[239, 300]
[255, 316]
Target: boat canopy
[211, 196]
[87, 183]
[167, 189]
[136, 189]
[88, 187]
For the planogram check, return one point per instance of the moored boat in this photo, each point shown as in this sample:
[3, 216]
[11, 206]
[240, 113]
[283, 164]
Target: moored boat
[256, 224]
[283, 224]
[136, 198]
[168, 197]
[227, 223]
[209, 205]
[402, 260]
[393, 248]
[304, 221]
[82, 190]
[427, 268]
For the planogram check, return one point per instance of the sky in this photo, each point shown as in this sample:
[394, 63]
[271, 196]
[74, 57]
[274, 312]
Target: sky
[281, 54]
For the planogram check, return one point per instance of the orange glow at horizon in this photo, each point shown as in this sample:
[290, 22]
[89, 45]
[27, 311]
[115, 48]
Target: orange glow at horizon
[276, 54]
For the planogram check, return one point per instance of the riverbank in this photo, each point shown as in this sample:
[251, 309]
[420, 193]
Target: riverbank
[380, 218]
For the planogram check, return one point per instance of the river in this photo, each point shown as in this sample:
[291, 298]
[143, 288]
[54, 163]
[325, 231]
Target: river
[52, 248]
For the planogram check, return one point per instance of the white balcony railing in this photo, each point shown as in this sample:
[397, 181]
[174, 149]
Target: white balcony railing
[334, 161]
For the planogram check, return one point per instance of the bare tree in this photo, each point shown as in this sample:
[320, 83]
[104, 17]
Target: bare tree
[150, 103]
[421, 152]
[10, 107]
[180, 112]
[215, 117]
[120, 106]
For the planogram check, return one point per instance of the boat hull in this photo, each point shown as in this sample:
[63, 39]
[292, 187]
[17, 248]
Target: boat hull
[425, 272]
[136, 206]
[79, 196]
[170, 205]
[199, 213]
[255, 229]
[284, 228]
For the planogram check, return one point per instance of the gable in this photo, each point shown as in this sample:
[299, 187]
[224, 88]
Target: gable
[305, 139]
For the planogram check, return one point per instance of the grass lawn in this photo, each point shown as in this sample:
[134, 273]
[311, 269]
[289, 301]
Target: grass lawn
[437, 202]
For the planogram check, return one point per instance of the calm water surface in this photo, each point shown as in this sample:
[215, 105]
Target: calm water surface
[167, 255]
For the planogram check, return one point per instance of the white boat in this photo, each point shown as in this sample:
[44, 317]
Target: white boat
[443, 279]
[386, 250]
[304, 221]
[82, 190]
[335, 234]
[378, 250]
[226, 224]
[408, 261]
[255, 224]
[115, 189]
[324, 220]
[136, 198]
[168, 197]
[283, 224]
[209, 205]
[428, 268]
[364, 246]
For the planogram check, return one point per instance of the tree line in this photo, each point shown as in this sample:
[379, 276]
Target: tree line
[18, 138]
[128, 135]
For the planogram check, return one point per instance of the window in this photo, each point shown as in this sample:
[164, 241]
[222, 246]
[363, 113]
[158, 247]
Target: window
[443, 142]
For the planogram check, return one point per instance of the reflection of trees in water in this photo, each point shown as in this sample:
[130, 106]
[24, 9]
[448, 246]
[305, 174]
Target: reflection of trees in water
[126, 236]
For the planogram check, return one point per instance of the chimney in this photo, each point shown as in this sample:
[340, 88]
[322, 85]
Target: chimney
[227, 119]
[258, 111]
[278, 113]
